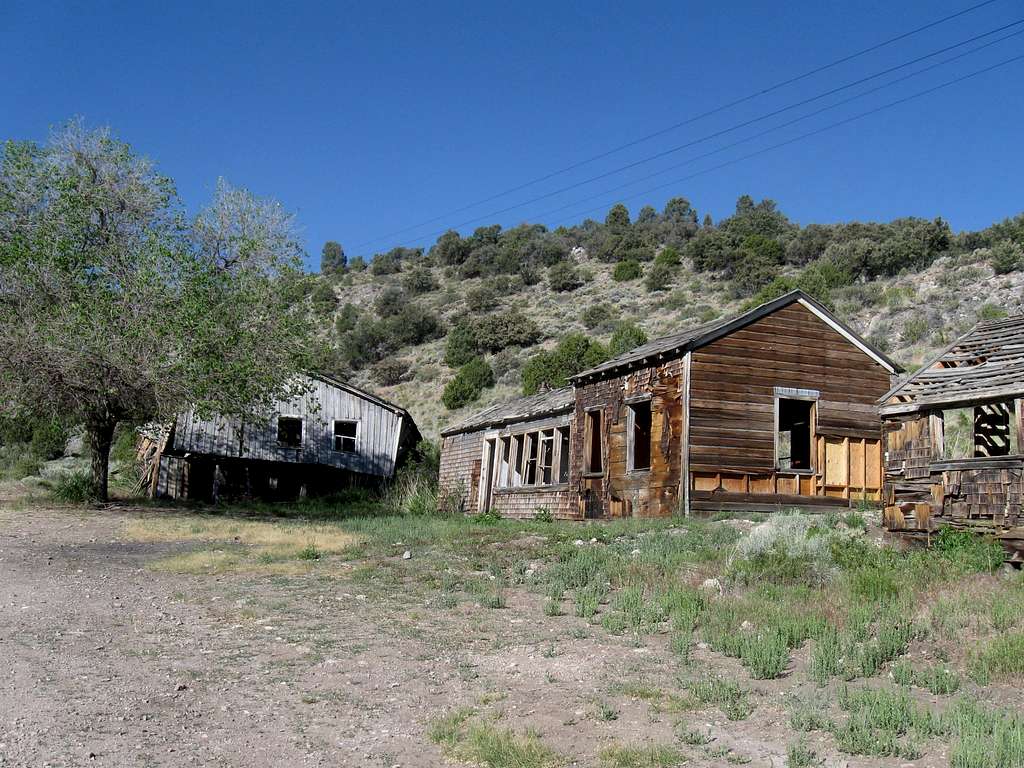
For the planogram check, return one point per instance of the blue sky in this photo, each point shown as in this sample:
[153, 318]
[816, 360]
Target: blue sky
[368, 118]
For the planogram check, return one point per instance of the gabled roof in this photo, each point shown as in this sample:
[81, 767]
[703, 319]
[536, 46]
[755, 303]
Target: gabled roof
[985, 364]
[361, 393]
[679, 343]
[521, 409]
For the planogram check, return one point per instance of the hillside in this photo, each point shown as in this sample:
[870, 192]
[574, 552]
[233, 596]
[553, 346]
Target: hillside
[910, 286]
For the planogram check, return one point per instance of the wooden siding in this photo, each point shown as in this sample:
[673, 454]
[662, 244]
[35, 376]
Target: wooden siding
[462, 464]
[459, 473]
[380, 430]
[732, 409]
[924, 491]
[617, 492]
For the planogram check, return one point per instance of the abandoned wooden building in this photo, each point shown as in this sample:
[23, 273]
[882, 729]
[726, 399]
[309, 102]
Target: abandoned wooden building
[331, 437]
[773, 408]
[952, 438]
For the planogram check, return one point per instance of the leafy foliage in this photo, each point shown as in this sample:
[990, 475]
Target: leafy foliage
[552, 368]
[470, 380]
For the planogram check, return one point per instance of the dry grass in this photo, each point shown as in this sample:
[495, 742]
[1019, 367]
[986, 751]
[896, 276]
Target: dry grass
[250, 546]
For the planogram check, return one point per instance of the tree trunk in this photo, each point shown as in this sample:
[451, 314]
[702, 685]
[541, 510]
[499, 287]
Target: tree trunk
[101, 434]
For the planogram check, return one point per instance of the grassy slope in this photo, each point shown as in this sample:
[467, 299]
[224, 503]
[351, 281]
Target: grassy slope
[911, 316]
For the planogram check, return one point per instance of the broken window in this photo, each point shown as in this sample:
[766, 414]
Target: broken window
[793, 435]
[530, 466]
[546, 457]
[563, 454]
[289, 431]
[516, 477]
[985, 430]
[345, 436]
[638, 449]
[504, 456]
[593, 449]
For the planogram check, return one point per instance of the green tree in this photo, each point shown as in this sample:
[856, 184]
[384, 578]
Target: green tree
[460, 346]
[617, 219]
[628, 335]
[1007, 257]
[332, 258]
[552, 368]
[470, 380]
[627, 270]
[563, 277]
[114, 311]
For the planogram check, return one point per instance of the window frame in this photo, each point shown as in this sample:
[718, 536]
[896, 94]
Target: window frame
[631, 435]
[806, 395]
[531, 454]
[591, 415]
[302, 431]
[354, 438]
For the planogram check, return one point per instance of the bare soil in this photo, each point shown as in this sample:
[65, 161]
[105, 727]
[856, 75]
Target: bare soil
[104, 661]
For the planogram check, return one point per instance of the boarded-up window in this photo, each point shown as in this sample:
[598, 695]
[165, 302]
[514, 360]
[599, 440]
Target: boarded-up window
[346, 434]
[638, 448]
[289, 431]
[592, 448]
[793, 434]
[563, 454]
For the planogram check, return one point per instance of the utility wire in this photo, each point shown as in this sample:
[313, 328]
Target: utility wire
[780, 126]
[688, 121]
[809, 134]
[730, 129]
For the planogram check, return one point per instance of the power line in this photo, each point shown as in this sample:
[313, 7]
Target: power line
[780, 126]
[688, 121]
[809, 134]
[730, 129]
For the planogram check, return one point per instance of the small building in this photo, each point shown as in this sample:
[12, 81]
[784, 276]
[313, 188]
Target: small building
[331, 437]
[773, 408]
[952, 438]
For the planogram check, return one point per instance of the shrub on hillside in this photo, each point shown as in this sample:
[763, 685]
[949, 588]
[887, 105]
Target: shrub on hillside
[460, 346]
[470, 380]
[322, 296]
[389, 372]
[481, 298]
[418, 281]
[346, 318]
[660, 277]
[1006, 257]
[597, 314]
[413, 324]
[628, 335]
[356, 264]
[552, 368]
[668, 256]
[563, 277]
[627, 270]
[74, 487]
[509, 329]
[390, 302]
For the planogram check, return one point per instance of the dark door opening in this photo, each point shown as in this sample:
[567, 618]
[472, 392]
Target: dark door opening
[793, 449]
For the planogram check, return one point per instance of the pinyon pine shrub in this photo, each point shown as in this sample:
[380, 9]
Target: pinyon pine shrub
[472, 379]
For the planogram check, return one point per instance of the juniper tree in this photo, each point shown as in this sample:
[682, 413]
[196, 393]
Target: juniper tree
[114, 307]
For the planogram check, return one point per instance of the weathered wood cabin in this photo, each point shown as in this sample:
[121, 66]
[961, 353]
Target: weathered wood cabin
[952, 438]
[331, 437]
[773, 408]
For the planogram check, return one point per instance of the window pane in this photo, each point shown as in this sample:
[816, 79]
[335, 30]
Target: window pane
[563, 455]
[547, 455]
[345, 433]
[594, 448]
[793, 439]
[289, 431]
[641, 436]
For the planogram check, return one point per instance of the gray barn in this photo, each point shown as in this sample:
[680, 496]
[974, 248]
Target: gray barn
[334, 436]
